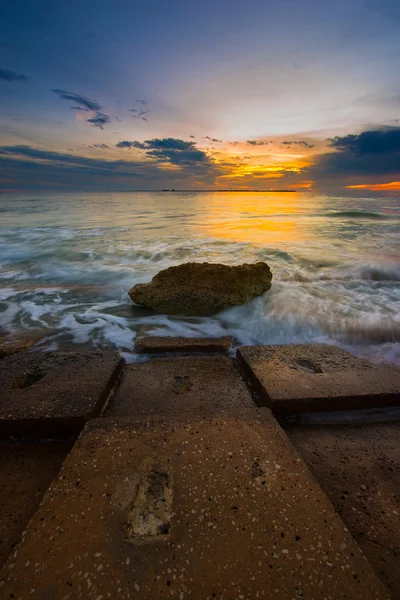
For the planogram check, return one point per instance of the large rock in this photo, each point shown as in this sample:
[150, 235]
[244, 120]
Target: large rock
[202, 288]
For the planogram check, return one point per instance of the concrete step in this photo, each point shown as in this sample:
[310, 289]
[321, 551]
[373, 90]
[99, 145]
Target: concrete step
[168, 344]
[181, 387]
[297, 379]
[358, 468]
[53, 394]
[219, 507]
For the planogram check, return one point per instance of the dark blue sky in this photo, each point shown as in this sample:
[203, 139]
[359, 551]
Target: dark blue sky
[78, 78]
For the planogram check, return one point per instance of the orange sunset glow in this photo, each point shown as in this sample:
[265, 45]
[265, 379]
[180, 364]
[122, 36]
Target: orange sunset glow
[392, 186]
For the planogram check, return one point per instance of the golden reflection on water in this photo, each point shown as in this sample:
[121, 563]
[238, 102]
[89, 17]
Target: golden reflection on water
[256, 217]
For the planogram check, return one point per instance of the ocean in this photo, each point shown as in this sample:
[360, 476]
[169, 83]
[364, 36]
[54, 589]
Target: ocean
[67, 261]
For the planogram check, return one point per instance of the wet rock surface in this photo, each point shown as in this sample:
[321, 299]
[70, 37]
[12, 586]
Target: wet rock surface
[248, 520]
[294, 379]
[202, 288]
[358, 468]
[54, 394]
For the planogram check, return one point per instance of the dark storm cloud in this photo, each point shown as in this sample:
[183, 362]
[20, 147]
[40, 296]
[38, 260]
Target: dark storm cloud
[298, 142]
[369, 142]
[369, 155]
[6, 75]
[172, 150]
[99, 119]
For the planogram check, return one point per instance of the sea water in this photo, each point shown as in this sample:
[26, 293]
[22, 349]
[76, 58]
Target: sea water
[67, 262]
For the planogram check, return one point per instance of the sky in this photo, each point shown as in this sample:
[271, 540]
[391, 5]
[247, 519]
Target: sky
[217, 94]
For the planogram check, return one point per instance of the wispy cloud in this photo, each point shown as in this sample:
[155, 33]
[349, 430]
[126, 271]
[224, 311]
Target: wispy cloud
[81, 103]
[298, 142]
[10, 76]
[256, 143]
[140, 114]
[99, 146]
[207, 137]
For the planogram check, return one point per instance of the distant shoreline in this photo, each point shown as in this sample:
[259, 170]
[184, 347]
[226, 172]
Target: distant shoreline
[237, 191]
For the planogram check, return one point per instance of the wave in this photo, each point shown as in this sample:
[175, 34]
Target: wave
[368, 272]
[359, 214]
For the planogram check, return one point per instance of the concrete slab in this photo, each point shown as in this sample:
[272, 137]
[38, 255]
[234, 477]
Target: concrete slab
[310, 378]
[358, 468]
[159, 344]
[26, 471]
[181, 387]
[243, 519]
[53, 394]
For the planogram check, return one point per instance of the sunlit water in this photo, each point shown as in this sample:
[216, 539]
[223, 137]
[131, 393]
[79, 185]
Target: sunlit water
[67, 262]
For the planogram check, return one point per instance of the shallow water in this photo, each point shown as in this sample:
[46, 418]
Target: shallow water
[68, 260]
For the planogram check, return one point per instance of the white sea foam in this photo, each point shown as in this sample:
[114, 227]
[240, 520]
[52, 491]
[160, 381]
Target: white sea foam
[336, 275]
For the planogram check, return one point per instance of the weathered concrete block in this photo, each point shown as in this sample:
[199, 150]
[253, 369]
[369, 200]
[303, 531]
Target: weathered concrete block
[181, 387]
[53, 394]
[243, 518]
[358, 468]
[159, 344]
[317, 377]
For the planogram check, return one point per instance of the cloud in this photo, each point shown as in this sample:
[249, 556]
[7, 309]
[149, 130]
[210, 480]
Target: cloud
[368, 156]
[139, 114]
[369, 142]
[81, 103]
[207, 137]
[170, 150]
[28, 167]
[299, 143]
[99, 120]
[100, 146]
[256, 143]
[6, 75]
[126, 144]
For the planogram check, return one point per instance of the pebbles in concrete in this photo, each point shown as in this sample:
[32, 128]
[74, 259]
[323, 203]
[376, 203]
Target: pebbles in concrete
[248, 520]
[53, 394]
[358, 468]
[181, 387]
[159, 344]
[26, 471]
[317, 377]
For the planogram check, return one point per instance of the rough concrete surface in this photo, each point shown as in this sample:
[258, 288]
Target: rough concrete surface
[358, 468]
[317, 377]
[26, 471]
[152, 344]
[247, 521]
[53, 394]
[181, 387]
